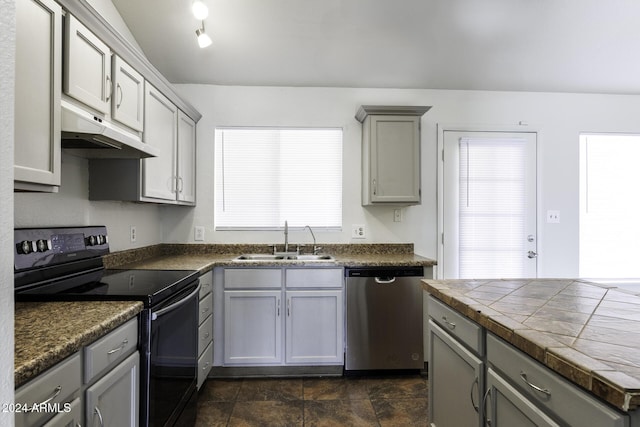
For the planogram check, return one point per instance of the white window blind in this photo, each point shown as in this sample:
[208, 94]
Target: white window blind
[609, 206]
[492, 207]
[266, 176]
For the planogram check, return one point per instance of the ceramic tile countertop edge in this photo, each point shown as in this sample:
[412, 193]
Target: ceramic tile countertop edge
[204, 258]
[48, 332]
[614, 387]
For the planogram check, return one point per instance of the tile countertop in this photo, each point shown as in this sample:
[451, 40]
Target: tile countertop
[48, 332]
[586, 332]
[203, 257]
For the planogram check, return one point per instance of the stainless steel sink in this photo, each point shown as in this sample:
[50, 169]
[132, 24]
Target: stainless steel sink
[284, 258]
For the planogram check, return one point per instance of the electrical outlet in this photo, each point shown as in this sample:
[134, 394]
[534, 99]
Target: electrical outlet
[553, 217]
[358, 231]
[397, 215]
[133, 234]
[198, 233]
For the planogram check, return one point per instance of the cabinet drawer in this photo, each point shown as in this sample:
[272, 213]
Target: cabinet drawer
[61, 382]
[314, 277]
[204, 365]
[110, 349]
[206, 308]
[206, 284]
[71, 415]
[567, 401]
[252, 278]
[205, 334]
[467, 331]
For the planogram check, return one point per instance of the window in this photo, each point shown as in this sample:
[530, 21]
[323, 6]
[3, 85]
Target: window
[609, 206]
[266, 176]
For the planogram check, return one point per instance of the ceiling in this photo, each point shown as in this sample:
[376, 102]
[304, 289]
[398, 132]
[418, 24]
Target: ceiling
[590, 46]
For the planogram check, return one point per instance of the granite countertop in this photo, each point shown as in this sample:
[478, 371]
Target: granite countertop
[48, 332]
[204, 257]
[586, 332]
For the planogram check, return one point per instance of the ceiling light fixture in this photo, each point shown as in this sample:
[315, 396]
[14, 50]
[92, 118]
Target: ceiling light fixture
[203, 39]
[199, 9]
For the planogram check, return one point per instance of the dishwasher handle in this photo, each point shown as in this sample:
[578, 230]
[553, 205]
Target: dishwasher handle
[384, 280]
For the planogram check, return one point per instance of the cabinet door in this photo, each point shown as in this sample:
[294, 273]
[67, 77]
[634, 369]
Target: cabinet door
[71, 415]
[455, 382]
[128, 96]
[160, 119]
[252, 328]
[186, 159]
[394, 159]
[507, 407]
[314, 327]
[87, 75]
[113, 399]
[37, 88]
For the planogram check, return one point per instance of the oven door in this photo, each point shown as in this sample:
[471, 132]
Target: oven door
[174, 359]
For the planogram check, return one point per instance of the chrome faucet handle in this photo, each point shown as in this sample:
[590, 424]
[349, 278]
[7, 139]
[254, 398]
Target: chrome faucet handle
[316, 249]
[274, 246]
[298, 249]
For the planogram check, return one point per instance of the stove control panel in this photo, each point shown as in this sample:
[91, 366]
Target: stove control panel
[42, 247]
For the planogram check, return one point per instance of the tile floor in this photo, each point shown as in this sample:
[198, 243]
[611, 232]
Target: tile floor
[332, 401]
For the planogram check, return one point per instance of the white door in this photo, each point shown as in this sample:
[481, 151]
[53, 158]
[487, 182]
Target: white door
[489, 205]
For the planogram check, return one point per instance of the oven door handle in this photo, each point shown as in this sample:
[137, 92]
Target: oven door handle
[176, 304]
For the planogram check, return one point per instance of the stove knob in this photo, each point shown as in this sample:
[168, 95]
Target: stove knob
[100, 239]
[91, 241]
[43, 245]
[26, 247]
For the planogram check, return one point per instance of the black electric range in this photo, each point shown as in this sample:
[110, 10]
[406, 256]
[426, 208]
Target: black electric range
[65, 264]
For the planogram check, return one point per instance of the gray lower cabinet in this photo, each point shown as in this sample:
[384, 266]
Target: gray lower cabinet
[455, 381]
[520, 383]
[205, 328]
[478, 379]
[282, 316]
[113, 399]
[98, 385]
[508, 407]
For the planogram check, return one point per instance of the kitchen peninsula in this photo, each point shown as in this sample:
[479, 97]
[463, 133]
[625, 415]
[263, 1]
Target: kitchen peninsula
[583, 332]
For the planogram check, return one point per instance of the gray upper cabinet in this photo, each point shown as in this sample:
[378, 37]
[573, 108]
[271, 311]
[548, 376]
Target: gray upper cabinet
[186, 162]
[127, 105]
[100, 80]
[87, 76]
[390, 154]
[37, 102]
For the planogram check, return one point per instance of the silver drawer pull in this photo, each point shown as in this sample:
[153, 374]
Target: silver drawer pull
[451, 325]
[56, 392]
[206, 335]
[533, 386]
[204, 310]
[117, 349]
[99, 414]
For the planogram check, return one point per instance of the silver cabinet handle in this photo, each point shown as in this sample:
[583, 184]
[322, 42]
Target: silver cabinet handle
[56, 392]
[278, 307]
[375, 188]
[523, 375]
[532, 254]
[117, 349]
[110, 86]
[99, 414]
[119, 90]
[487, 396]
[449, 324]
[473, 403]
[289, 307]
[204, 310]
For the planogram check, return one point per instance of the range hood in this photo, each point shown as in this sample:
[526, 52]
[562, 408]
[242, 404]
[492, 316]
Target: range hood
[87, 135]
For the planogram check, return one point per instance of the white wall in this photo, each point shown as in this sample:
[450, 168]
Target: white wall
[7, 65]
[559, 118]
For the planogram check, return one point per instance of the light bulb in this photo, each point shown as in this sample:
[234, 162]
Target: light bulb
[203, 38]
[199, 9]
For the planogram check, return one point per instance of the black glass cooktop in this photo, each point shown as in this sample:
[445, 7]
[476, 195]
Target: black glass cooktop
[149, 286]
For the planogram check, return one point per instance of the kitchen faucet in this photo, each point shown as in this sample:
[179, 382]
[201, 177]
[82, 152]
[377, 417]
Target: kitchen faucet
[286, 237]
[315, 248]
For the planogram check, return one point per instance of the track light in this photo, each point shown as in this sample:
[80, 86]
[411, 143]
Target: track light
[203, 39]
[199, 9]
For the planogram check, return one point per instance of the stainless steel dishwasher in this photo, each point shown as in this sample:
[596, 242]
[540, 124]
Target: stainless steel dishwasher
[384, 318]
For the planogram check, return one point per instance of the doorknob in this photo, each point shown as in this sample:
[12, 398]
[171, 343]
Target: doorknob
[532, 254]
